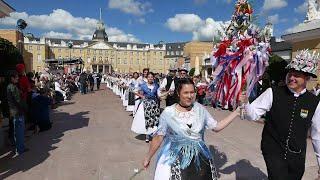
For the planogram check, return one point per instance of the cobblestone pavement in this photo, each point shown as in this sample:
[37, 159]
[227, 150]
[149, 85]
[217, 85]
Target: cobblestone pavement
[91, 140]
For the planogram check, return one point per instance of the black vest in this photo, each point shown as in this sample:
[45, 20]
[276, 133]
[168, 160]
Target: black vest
[169, 81]
[174, 98]
[288, 121]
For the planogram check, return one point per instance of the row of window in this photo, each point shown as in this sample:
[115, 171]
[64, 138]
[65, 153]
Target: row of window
[99, 51]
[174, 53]
[142, 61]
[169, 47]
[38, 47]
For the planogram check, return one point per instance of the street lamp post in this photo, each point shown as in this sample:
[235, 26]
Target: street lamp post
[70, 45]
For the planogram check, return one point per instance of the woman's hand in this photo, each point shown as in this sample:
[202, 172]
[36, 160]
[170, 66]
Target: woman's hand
[146, 162]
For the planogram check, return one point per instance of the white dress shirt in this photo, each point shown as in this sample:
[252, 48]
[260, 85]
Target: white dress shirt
[163, 86]
[263, 104]
[316, 91]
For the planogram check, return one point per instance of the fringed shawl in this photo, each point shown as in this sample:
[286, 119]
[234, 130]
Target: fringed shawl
[181, 141]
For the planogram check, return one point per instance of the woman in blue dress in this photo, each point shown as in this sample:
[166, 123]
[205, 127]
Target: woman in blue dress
[184, 154]
[147, 116]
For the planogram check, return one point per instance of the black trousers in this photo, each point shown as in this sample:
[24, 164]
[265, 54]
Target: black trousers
[291, 168]
[98, 85]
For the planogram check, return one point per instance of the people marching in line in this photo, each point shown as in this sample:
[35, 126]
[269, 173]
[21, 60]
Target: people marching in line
[179, 131]
[133, 88]
[147, 114]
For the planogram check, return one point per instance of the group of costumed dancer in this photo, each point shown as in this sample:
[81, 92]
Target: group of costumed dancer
[239, 60]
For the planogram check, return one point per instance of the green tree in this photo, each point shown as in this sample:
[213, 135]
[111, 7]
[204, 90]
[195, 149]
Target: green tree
[191, 72]
[276, 70]
[9, 56]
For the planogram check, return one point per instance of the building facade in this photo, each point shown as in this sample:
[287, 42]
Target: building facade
[98, 54]
[281, 48]
[174, 53]
[196, 51]
[5, 9]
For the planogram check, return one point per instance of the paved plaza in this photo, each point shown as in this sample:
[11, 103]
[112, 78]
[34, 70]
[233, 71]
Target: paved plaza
[91, 140]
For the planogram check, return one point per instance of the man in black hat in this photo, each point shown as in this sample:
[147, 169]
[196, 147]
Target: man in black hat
[172, 94]
[291, 111]
[167, 87]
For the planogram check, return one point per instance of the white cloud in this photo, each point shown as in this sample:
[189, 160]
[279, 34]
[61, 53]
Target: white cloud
[184, 22]
[274, 4]
[131, 6]
[209, 30]
[53, 34]
[200, 29]
[302, 9]
[274, 19]
[117, 35]
[61, 20]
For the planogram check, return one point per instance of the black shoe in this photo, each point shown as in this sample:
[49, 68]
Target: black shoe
[24, 151]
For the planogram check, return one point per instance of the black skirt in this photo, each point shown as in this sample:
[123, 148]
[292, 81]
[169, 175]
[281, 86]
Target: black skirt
[131, 99]
[206, 170]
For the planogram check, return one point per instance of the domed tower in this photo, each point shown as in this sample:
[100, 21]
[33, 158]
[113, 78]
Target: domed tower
[100, 33]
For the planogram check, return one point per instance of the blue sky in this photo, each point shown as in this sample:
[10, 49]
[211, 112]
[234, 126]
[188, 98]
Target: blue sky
[147, 21]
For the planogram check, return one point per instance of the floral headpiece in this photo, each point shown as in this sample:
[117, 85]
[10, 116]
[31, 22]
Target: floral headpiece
[305, 62]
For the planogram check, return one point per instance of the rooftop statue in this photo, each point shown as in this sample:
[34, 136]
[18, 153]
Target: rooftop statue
[313, 10]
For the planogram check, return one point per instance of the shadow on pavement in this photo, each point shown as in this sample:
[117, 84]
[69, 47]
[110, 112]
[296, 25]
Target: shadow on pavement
[141, 137]
[41, 144]
[219, 158]
[66, 103]
[243, 169]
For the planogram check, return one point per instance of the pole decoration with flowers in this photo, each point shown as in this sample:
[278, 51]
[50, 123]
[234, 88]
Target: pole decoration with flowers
[240, 58]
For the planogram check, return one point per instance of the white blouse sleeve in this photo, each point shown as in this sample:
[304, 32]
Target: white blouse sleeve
[210, 122]
[315, 133]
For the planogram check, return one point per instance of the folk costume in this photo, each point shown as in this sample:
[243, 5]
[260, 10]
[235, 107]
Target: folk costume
[146, 118]
[168, 84]
[133, 87]
[289, 116]
[184, 154]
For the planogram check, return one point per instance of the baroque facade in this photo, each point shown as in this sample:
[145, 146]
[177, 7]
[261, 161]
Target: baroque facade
[98, 54]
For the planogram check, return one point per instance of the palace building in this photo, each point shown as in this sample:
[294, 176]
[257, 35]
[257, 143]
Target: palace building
[97, 55]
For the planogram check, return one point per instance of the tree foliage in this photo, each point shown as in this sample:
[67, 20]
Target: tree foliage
[191, 72]
[276, 69]
[9, 56]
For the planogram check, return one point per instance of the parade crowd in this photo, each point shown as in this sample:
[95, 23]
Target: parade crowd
[177, 131]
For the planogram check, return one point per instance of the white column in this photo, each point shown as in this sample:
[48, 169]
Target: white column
[97, 68]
